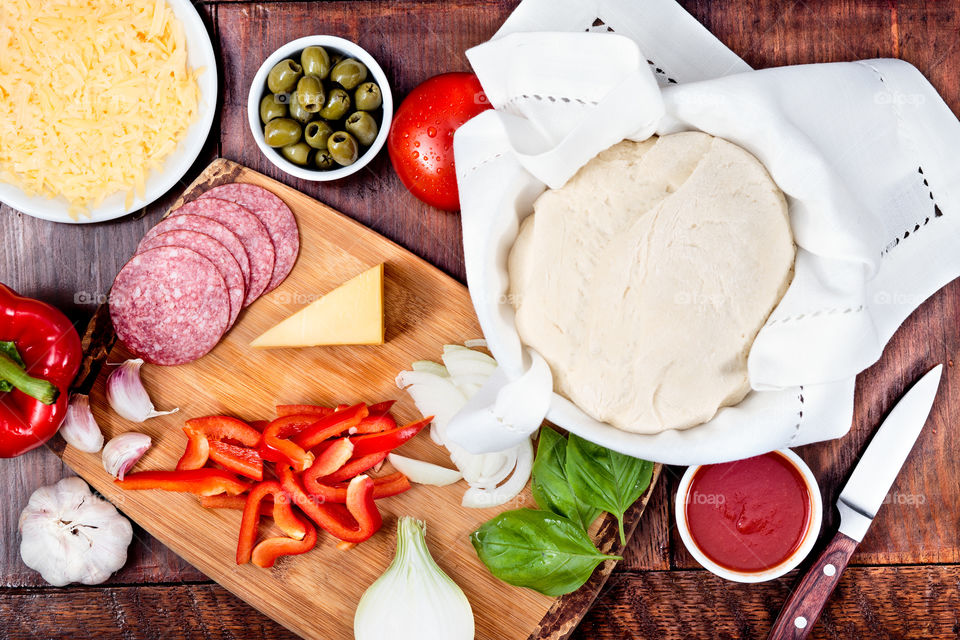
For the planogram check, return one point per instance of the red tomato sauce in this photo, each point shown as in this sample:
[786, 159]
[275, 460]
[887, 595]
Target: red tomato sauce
[749, 515]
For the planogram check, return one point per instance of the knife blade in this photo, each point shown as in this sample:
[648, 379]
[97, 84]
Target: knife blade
[858, 504]
[881, 462]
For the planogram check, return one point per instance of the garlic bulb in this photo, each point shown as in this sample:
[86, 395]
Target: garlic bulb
[413, 598]
[79, 428]
[126, 394]
[123, 451]
[70, 535]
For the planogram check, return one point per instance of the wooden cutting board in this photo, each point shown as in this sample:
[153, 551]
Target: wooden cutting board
[315, 595]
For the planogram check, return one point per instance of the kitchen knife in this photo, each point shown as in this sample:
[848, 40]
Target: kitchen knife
[858, 504]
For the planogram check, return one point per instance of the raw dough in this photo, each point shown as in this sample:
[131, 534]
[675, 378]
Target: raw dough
[645, 279]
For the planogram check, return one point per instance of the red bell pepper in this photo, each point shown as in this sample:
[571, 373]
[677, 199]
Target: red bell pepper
[242, 460]
[259, 425]
[197, 452]
[384, 487]
[266, 553]
[332, 459]
[236, 503]
[355, 467]
[203, 482]
[277, 448]
[331, 426]
[375, 424]
[202, 431]
[381, 408]
[283, 515]
[40, 355]
[284, 410]
[388, 440]
[355, 521]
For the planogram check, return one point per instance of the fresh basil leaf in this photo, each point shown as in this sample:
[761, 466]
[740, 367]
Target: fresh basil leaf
[551, 487]
[606, 479]
[10, 349]
[538, 550]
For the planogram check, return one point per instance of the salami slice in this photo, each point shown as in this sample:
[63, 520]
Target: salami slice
[169, 305]
[209, 227]
[213, 251]
[275, 216]
[248, 228]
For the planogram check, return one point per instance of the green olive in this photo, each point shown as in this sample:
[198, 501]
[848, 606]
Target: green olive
[283, 77]
[367, 97]
[281, 132]
[337, 105]
[271, 107]
[298, 153]
[323, 160]
[315, 62]
[335, 58]
[317, 133]
[297, 112]
[348, 73]
[343, 148]
[310, 93]
[363, 127]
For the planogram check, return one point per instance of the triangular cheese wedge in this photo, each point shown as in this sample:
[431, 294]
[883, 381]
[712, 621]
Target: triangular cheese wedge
[350, 314]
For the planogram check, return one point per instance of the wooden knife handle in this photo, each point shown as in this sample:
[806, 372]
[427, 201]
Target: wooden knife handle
[802, 609]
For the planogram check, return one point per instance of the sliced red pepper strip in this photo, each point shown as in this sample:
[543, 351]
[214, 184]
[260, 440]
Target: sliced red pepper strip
[388, 440]
[266, 553]
[259, 425]
[381, 408]
[384, 487]
[354, 522]
[203, 482]
[197, 452]
[375, 424]
[236, 503]
[298, 409]
[225, 428]
[242, 460]
[354, 468]
[331, 426]
[283, 515]
[331, 460]
[276, 444]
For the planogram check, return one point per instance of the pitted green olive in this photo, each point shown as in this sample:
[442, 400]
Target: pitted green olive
[317, 133]
[363, 127]
[343, 147]
[348, 73]
[297, 112]
[284, 76]
[368, 97]
[298, 153]
[337, 105]
[281, 132]
[271, 107]
[323, 160]
[310, 93]
[315, 62]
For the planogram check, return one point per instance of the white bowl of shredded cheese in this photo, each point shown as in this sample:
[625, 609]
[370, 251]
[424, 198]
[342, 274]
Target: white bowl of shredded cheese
[112, 114]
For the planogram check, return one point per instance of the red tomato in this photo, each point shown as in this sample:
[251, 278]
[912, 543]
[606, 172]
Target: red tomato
[421, 137]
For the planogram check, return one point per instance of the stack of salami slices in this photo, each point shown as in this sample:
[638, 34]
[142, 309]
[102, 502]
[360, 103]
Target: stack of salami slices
[194, 272]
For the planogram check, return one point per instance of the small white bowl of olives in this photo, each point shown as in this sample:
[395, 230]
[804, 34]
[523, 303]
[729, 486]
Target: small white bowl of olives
[320, 108]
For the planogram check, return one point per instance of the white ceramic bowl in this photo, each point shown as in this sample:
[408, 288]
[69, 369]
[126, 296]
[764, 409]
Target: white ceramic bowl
[802, 551]
[199, 55]
[259, 87]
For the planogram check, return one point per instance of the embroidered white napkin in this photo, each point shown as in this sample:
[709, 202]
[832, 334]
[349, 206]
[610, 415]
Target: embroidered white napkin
[866, 152]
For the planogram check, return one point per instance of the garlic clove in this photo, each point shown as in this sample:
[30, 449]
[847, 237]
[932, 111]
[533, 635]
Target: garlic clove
[123, 452]
[79, 427]
[127, 396]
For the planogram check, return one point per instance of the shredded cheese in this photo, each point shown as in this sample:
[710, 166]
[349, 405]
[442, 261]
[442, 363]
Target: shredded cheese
[94, 94]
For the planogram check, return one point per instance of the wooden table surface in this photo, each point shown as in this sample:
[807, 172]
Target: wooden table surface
[904, 581]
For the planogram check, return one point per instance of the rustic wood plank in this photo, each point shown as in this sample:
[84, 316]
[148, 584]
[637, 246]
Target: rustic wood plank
[907, 603]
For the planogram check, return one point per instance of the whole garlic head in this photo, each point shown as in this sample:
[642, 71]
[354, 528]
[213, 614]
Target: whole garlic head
[70, 535]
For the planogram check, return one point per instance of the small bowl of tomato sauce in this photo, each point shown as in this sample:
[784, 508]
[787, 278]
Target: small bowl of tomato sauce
[750, 520]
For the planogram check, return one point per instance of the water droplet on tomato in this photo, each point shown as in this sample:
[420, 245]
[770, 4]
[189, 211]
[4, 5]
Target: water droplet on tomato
[416, 143]
[432, 132]
[416, 154]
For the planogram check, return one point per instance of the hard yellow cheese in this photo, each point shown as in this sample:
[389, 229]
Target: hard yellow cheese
[350, 314]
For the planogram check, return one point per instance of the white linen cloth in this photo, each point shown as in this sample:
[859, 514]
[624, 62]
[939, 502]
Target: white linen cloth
[867, 153]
